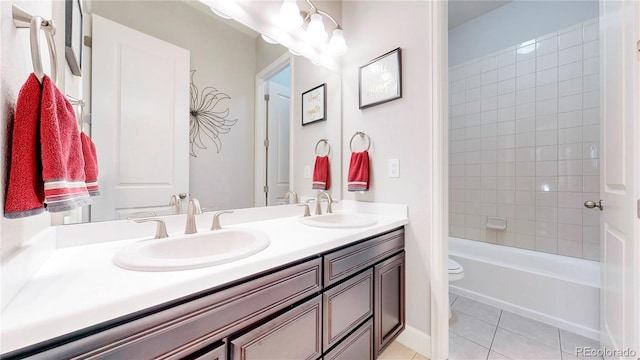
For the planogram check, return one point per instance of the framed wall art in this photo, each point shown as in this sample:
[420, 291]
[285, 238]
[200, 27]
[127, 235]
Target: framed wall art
[314, 104]
[380, 80]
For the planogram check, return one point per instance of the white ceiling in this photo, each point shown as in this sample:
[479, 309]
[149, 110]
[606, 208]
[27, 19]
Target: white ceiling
[461, 11]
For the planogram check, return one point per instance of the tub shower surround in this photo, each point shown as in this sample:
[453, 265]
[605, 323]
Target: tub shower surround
[524, 141]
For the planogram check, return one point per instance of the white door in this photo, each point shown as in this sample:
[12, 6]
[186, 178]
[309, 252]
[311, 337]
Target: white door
[278, 151]
[140, 120]
[620, 319]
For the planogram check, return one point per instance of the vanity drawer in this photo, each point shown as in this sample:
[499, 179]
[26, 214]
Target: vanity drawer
[183, 329]
[357, 346]
[295, 334]
[343, 263]
[346, 306]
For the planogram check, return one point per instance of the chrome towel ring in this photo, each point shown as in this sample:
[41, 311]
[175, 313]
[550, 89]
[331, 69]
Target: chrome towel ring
[22, 20]
[362, 135]
[328, 146]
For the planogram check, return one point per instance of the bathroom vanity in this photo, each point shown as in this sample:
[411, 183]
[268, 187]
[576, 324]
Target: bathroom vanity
[345, 302]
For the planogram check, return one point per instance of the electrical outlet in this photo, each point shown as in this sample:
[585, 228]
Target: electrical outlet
[394, 168]
[307, 172]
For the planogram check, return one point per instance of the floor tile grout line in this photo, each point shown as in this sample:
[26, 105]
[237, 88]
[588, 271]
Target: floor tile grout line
[560, 344]
[494, 334]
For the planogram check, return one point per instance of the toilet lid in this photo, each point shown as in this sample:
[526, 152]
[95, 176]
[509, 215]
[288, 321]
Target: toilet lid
[454, 267]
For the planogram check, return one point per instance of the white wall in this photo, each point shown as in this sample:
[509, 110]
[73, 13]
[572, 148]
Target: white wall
[513, 23]
[224, 58]
[307, 76]
[400, 129]
[15, 67]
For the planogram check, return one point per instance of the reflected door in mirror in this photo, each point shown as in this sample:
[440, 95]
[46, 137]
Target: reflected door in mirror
[140, 119]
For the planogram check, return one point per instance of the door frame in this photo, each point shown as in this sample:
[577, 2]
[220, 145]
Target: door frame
[439, 277]
[262, 77]
[440, 180]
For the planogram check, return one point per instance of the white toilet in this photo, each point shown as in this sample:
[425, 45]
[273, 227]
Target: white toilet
[456, 273]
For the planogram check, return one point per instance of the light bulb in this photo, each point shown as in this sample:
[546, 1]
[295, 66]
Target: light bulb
[337, 44]
[315, 31]
[290, 18]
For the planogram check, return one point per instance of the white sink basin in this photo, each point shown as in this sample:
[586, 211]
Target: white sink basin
[339, 221]
[206, 248]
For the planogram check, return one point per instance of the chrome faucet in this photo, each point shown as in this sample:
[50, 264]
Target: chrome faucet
[292, 193]
[329, 202]
[215, 225]
[192, 210]
[176, 203]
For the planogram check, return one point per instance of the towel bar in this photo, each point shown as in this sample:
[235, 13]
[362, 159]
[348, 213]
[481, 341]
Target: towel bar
[363, 135]
[23, 19]
[326, 141]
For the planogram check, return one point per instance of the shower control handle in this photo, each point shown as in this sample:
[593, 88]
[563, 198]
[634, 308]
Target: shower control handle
[589, 204]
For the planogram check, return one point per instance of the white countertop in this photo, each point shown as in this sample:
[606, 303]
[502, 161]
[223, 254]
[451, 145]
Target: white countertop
[80, 286]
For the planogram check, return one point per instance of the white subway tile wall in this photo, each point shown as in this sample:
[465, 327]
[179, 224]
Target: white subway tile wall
[524, 144]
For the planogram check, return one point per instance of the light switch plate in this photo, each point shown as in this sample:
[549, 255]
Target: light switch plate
[394, 168]
[307, 172]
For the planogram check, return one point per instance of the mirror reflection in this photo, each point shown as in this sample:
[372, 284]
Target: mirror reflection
[178, 111]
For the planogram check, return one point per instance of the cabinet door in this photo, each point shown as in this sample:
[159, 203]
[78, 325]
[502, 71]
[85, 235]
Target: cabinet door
[294, 335]
[357, 346]
[346, 306]
[217, 353]
[389, 301]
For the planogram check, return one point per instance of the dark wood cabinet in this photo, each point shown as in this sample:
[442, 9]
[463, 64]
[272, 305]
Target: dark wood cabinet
[293, 335]
[345, 304]
[389, 301]
[357, 346]
[219, 352]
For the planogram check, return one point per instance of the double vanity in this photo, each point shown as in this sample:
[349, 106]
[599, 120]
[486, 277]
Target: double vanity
[323, 287]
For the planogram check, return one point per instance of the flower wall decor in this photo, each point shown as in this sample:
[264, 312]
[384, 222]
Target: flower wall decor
[208, 117]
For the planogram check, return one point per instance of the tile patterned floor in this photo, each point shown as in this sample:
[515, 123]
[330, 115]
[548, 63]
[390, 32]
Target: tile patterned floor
[397, 351]
[480, 331]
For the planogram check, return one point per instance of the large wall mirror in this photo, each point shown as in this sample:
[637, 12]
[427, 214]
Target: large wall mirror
[197, 132]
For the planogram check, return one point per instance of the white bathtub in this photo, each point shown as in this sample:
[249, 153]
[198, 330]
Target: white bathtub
[558, 290]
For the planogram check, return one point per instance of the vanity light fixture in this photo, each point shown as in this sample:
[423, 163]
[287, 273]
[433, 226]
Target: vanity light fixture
[312, 23]
[268, 39]
[220, 13]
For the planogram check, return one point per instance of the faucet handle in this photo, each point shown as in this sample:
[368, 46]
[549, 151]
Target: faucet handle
[176, 203]
[306, 209]
[141, 214]
[215, 225]
[161, 229]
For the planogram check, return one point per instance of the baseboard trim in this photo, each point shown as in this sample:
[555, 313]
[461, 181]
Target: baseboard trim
[416, 340]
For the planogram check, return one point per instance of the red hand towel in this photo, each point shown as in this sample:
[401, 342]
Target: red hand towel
[25, 190]
[358, 179]
[90, 164]
[61, 152]
[321, 174]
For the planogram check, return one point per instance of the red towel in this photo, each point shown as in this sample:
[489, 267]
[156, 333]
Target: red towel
[47, 167]
[321, 174]
[61, 151]
[25, 190]
[358, 179]
[90, 165]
